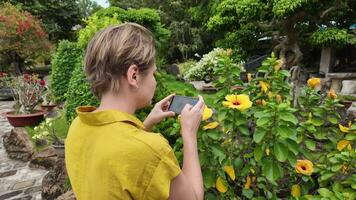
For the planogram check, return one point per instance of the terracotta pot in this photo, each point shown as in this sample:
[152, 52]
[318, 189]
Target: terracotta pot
[20, 120]
[48, 108]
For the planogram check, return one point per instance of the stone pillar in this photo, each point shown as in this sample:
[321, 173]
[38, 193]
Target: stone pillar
[326, 60]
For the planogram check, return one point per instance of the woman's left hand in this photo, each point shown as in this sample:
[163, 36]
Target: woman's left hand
[159, 113]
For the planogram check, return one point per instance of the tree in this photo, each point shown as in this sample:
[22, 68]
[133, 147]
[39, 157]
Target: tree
[22, 37]
[88, 7]
[289, 23]
[58, 16]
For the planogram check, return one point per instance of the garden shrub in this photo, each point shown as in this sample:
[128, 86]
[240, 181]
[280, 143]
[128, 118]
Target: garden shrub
[204, 69]
[63, 63]
[278, 151]
[186, 66]
[79, 93]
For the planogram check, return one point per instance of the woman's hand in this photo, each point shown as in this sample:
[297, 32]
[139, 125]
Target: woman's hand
[191, 117]
[159, 113]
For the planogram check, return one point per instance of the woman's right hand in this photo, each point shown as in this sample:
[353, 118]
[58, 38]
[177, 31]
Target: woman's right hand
[191, 117]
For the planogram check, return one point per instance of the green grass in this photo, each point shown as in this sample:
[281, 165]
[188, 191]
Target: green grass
[183, 88]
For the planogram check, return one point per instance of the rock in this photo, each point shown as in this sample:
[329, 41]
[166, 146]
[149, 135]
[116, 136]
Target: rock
[45, 159]
[348, 87]
[67, 196]
[352, 110]
[173, 69]
[53, 184]
[18, 144]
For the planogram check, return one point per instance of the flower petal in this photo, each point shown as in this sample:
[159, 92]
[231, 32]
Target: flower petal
[342, 144]
[211, 125]
[221, 185]
[230, 171]
[295, 192]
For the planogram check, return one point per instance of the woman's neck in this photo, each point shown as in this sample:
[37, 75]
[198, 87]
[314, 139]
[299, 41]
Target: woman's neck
[119, 102]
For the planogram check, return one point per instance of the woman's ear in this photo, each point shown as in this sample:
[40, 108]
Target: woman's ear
[132, 75]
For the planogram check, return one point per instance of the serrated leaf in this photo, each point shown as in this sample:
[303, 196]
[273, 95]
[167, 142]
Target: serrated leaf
[333, 120]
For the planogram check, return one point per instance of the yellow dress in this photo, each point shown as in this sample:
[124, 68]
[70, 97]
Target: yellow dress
[109, 156]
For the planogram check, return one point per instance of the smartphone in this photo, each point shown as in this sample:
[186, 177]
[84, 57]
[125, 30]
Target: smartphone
[178, 102]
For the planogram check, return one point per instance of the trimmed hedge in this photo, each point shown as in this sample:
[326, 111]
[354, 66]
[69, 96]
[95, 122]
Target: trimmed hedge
[63, 62]
[79, 93]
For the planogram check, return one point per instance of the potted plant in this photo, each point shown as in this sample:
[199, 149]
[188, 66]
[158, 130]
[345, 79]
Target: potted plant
[28, 90]
[46, 131]
[48, 103]
[6, 92]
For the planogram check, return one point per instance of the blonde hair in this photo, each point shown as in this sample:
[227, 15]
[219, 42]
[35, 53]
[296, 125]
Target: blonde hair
[112, 51]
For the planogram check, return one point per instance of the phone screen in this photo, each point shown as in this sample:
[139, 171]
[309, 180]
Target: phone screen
[178, 102]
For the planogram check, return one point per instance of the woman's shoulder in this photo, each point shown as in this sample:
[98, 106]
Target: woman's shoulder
[154, 141]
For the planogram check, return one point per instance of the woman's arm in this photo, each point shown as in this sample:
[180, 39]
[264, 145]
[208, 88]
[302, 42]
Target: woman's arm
[189, 184]
[158, 113]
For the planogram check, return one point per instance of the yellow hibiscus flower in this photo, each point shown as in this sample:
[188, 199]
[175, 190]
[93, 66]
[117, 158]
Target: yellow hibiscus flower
[342, 144]
[313, 82]
[304, 167]
[295, 192]
[264, 86]
[343, 129]
[240, 102]
[230, 171]
[211, 125]
[207, 113]
[221, 185]
[248, 183]
[332, 94]
[278, 65]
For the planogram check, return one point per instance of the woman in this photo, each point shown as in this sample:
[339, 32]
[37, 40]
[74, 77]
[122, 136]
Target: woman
[110, 154]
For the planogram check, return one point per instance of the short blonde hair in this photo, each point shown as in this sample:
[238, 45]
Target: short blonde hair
[112, 51]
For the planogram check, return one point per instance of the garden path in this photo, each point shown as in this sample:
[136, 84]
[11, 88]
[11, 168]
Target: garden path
[17, 179]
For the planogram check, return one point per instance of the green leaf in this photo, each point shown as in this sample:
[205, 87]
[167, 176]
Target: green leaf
[214, 135]
[218, 152]
[259, 135]
[324, 192]
[247, 193]
[336, 168]
[262, 121]
[258, 153]
[326, 176]
[293, 146]
[310, 144]
[209, 178]
[284, 131]
[280, 151]
[222, 115]
[244, 130]
[238, 162]
[350, 136]
[317, 121]
[284, 72]
[271, 170]
[288, 117]
[292, 159]
[333, 120]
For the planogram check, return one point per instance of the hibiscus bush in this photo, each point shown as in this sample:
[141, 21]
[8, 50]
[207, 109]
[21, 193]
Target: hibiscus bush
[256, 145]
